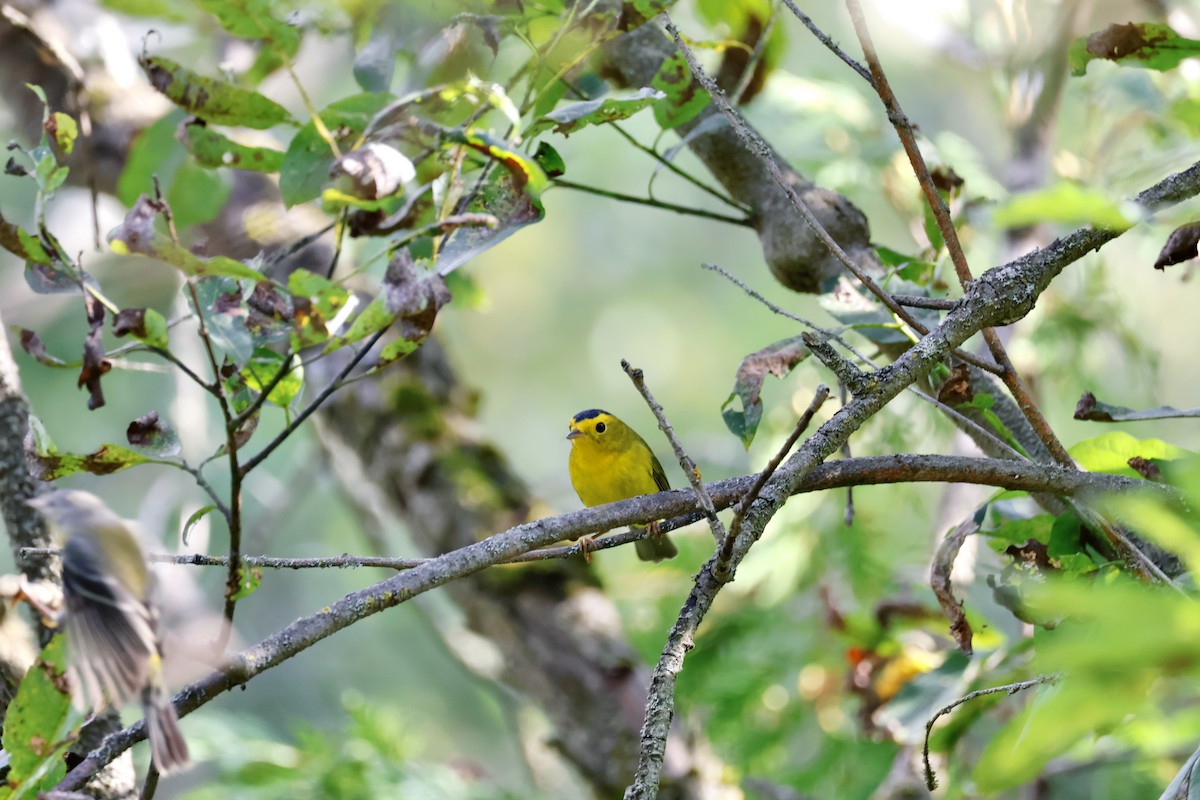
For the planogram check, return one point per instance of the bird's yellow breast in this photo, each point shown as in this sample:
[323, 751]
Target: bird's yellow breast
[602, 475]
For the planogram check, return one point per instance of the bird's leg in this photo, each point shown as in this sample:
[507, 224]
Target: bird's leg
[585, 546]
[654, 528]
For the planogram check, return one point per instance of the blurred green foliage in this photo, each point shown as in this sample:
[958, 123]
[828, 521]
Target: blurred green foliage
[820, 664]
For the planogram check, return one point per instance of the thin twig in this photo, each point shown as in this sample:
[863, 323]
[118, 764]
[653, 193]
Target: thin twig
[329, 389]
[848, 514]
[208, 489]
[1131, 554]
[650, 201]
[756, 55]
[825, 40]
[670, 165]
[1010, 688]
[184, 368]
[759, 148]
[233, 517]
[941, 214]
[963, 421]
[265, 392]
[685, 461]
[721, 568]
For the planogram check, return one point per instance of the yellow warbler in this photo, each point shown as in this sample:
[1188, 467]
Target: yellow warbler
[610, 462]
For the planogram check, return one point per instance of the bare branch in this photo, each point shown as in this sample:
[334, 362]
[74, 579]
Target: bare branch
[1008, 688]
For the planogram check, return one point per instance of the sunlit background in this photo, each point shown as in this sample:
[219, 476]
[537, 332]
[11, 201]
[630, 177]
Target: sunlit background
[539, 327]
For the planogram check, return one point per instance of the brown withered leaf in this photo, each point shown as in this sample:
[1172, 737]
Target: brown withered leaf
[151, 435]
[1181, 246]
[945, 179]
[130, 321]
[1086, 409]
[939, 580]
[414, 296]
[1146, 468]
[1092, 409]
[94, 362]
[957, 388]
[1032, 553]
[32, 344]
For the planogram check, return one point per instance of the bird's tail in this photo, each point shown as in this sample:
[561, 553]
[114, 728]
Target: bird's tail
[655, 547]
[167, 745]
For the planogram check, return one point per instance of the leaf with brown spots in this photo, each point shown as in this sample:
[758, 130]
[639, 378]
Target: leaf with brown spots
[778, 359]
[1150, 45]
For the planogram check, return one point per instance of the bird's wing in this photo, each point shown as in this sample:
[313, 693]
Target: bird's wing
[656, 469]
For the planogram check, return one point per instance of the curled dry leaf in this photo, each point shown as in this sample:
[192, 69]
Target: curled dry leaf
[1181, 246]
[957, 388]
[94, 362]
[33, 345]
[1146, 468]
[939, 579]
[372, 171]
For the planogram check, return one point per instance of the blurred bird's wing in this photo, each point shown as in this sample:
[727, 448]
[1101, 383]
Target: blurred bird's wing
[111, 634]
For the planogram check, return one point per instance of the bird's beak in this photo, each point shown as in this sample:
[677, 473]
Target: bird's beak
[575, 433]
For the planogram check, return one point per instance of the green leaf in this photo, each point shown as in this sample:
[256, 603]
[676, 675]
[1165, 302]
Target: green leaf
[567, 119]
[1187, 111]
[905, 715]
[549, 160]
[778, 359]
[223, 308]
[213, 149]
[253, 19]
[982, 403]
[685, 98]
[512, 197]
[249, 579]
[261, 370]
[1065, 203]
[1019, 531]
[48, 463]
[137, 234]
[156, 9]
[214, 100]
[144, 324]
[1111, 452]
[372, 319]
[22, 244]
[155, 152]
[1174, 526]
[851, 306]
[316, 301]
[36, 721]
[306, 164]
[1150, 45]
[196, 195]
[66, 131]
[195, 518]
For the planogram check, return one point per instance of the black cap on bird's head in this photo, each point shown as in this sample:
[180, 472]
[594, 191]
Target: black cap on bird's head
[583, 416]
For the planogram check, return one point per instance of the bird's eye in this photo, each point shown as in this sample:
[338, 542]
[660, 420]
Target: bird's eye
[601, 427]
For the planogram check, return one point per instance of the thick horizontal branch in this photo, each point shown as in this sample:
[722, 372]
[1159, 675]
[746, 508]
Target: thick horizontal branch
[868, 471]
[509, 544]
